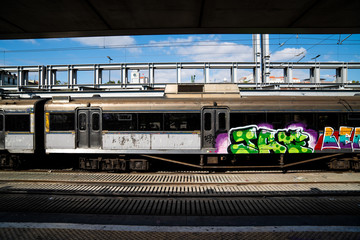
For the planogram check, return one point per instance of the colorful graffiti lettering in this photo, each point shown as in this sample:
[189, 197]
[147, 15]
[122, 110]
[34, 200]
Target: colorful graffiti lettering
[345, 138]
[296, 138]
[255, 139]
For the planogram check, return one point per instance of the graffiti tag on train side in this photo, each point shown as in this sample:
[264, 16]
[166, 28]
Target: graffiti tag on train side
[255, 139]
[345, 138]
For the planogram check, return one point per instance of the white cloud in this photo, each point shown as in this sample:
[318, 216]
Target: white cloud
[32, 41]
[211, 49]
[218, 51]
[288, 54]
[109, 42]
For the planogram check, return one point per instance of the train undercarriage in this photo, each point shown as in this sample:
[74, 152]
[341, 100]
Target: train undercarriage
[338, 161]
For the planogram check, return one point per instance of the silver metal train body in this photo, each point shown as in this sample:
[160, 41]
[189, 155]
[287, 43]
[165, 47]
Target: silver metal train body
[209, 123]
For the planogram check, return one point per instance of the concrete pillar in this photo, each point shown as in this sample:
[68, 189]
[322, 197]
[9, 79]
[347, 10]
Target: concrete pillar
[341, 75]
[97, 75]
[49, 76]
[42, 76]
[53, 77]
[72, 76]
[265, 57]
[234, 77]
[206, 73]
[20, 79]
[315, 75]
[257, 58]
[26, 78]
[151, 75]
[124, 75]
[178, 73]
[288, 75]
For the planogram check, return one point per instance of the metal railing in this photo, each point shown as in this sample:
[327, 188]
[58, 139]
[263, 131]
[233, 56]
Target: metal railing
[47, 75]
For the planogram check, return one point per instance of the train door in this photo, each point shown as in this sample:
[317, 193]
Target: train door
[2, 130]
[89, 128]
[214, 122]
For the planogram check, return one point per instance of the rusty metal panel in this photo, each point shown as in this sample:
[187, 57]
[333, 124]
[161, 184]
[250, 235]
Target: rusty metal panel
[175, 141]
[126, 141]
[60, 141]
[19, 141]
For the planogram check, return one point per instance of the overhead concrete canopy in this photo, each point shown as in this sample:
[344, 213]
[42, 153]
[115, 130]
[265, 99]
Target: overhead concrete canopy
[79, 18]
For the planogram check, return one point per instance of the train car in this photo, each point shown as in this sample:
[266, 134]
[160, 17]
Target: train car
[21, 130]
[212, 121]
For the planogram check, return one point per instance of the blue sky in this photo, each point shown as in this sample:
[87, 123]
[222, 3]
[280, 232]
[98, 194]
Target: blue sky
[183, 48]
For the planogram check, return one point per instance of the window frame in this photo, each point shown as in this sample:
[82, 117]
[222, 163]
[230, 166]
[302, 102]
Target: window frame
[66, 130]
[6, 129]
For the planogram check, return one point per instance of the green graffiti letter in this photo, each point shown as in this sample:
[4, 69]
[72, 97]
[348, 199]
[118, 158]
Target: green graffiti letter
[267, 142]
[240, 139]
[295, 141]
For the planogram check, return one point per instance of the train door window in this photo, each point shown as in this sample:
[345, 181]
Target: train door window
[208, 121]
[222, 121]
[1, 122]
[2, 133]
[82, 121]
[17, 123]
[95, 121]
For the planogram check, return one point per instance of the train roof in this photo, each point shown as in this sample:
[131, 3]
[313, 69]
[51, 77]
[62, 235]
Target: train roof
[13, 104]
[197, 101]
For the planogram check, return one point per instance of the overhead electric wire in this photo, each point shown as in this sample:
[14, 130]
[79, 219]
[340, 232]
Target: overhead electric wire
[185, 43]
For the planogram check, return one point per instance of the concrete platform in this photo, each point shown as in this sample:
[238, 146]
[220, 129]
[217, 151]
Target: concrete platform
[28, 231]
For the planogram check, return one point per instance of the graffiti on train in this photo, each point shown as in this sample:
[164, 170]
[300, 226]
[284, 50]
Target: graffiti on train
[295, 138]
[345, 138]
[255, 139]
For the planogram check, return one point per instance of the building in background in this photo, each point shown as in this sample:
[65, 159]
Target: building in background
[6, 78]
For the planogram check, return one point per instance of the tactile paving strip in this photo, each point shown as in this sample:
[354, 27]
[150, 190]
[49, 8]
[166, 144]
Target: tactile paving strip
[175, 178]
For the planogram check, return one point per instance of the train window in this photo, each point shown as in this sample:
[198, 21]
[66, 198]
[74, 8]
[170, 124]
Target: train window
[244, 119]
[328, 120]
[349, 119]
[181, 121]
[82, 121]
[95, 121]
[62, 121]
[306, 120]
[222, 121]
[150, 121]
[119, 121]
[208, 121]
[1, 122]
[278, 120]
[17, 122]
